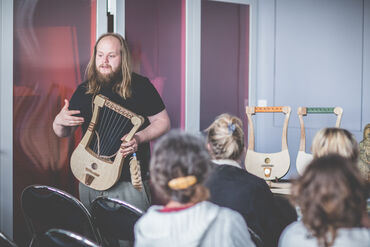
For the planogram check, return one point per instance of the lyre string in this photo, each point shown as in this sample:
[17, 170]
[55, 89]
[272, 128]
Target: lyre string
[111, 137]
[103, 156]
[111, 124]
[117, 128]
[108, 115]
[97, 143]
[104, 127]
[100, 131]
[92, 110]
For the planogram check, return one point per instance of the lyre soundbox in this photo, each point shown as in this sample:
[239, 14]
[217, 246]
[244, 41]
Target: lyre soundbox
[269, 166]
[96, 161]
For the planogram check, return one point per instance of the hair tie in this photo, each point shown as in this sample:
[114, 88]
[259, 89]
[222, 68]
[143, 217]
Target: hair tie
[182, 182]
[231, 128]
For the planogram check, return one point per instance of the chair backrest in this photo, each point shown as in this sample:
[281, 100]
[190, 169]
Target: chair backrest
[5, 241]
[45, 207]
[115, 218]
[63, 238]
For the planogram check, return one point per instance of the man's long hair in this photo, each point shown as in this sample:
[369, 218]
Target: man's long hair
[122, 88]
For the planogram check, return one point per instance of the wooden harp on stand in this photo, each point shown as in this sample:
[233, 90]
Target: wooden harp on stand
[303, 158]
[96, 161]
[269, 166]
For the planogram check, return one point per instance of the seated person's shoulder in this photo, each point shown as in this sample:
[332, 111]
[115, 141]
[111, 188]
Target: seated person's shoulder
[254, 180]
[226, 215]
[213, 167]
[293, 233]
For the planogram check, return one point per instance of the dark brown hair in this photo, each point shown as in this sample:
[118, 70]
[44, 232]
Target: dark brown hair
[331, 194]
[175, 155]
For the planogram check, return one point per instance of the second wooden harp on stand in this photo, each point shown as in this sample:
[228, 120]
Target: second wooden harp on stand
[303, 158]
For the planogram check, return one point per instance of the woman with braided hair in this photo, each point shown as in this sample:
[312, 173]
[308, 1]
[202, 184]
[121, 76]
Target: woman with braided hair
[178, 168]
[233, 187]
[332, 196]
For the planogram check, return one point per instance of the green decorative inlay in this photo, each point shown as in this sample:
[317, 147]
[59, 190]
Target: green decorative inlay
[320, 109]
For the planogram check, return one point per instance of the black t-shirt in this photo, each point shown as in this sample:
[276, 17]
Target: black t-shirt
[144, 101]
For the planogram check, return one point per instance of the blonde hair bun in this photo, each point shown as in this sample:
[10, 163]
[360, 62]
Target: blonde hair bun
[225, 137]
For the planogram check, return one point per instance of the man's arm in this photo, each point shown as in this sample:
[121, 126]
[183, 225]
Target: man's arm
[65, 123]
[159, 125]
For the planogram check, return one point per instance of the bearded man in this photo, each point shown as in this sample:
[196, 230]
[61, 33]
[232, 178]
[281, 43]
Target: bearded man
[109, 73]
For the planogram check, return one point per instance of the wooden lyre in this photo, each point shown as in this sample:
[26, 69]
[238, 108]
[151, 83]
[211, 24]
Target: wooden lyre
[269, 166]
[303, 158]
[96, 161]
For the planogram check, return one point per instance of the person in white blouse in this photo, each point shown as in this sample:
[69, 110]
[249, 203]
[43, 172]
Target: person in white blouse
[331, 195]
[178, 169]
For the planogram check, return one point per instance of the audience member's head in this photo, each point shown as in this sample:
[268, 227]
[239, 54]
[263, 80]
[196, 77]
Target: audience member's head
[179, 166]
[331, 195]
[335, 141]
[225, 138]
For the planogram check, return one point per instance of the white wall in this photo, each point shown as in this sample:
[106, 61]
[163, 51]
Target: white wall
[312, 53]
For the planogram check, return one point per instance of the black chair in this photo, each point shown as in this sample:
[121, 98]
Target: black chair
[63, 238]
[5, 241]
[45, 207]
[115, 219]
